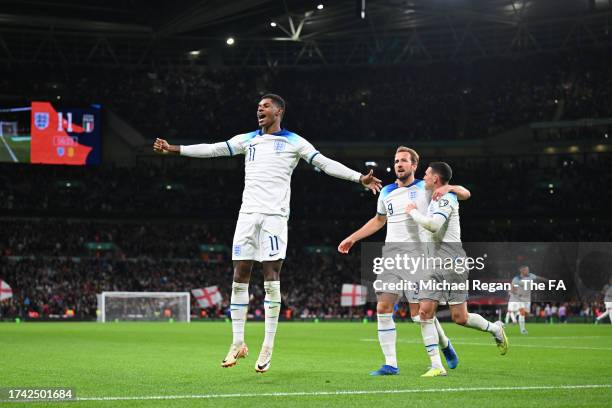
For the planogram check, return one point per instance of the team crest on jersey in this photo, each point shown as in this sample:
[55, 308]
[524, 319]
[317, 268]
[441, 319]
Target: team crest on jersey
[60, 151]
[237, 250]
[279, 146]
[41, 120]
[413, 195]
[443, 202]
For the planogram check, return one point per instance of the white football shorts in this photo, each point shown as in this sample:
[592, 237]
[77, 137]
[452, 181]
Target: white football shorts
[260, 237]
[516, 306]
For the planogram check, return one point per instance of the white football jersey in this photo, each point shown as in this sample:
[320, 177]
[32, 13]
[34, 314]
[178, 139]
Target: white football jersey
[268, 165]
[448, 207]
[446, 242]
[608, 293]
[521, 293]
[392, 203]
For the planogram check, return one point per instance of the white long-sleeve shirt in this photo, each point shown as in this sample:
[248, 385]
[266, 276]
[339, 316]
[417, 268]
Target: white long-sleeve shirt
[269, 163]
[442, 221]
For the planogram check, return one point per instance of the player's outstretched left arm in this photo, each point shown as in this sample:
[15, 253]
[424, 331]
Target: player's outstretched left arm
[371, 182]
[461, 192]
[432, 224]
[339, 170]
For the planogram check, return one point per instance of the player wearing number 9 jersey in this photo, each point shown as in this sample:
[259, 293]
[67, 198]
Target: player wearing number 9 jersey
[392, 201]
[404, 236]
[271, 153]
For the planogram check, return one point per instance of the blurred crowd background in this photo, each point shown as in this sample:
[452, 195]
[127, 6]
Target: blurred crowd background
[68, 233]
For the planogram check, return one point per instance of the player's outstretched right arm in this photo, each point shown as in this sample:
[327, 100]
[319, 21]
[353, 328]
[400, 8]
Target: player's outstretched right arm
[162, 146]
[369, 228]
[197, 150]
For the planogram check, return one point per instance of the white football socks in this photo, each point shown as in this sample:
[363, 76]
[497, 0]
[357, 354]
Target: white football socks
[443, 340]
[441, 335]
[478, 322]
[387, 337]
[431, 339]
[272, 306]
[521, 320]
[238, 309]
[510, 316]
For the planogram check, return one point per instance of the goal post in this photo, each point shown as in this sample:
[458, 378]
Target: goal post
[144, 306]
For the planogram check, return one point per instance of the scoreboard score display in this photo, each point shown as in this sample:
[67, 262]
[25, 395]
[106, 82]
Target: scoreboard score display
[43, 133]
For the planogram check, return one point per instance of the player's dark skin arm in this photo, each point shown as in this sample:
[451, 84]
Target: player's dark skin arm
[162, 146]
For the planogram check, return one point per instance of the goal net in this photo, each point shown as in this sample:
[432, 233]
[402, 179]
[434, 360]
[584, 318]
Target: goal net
[146, 306]
[8, 128]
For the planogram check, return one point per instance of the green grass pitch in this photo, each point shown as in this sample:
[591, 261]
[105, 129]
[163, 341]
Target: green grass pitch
[21, 150]
[325, 364]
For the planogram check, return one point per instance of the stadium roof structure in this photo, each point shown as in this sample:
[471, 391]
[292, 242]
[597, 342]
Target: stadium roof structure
[293, 33]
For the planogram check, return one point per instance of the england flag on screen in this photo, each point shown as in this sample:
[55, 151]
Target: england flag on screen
[353, 295]
[5, 291]
[207, 297]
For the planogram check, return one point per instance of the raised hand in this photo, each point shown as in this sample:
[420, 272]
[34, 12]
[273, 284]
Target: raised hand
[346, 245]
[440, 191]
[161, 146]
[371, 182]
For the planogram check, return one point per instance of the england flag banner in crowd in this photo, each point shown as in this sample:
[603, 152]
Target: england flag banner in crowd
[5, 291]
[207, 297]
[353, 295]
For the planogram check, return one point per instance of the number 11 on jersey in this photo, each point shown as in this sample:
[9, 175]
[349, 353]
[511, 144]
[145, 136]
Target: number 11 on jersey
[251, 153]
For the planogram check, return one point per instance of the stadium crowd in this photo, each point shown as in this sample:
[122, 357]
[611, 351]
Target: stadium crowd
[434, 102]
[154, 235]
[51, 285]
[58, 264]
[67, 233]
[542, 186]
[48, 287]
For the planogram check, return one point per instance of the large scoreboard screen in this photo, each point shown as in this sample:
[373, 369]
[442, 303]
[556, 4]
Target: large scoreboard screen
[44, 133]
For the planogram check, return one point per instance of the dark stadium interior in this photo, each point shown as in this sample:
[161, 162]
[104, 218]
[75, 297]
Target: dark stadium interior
[517, 101]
